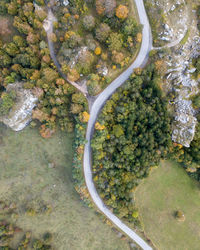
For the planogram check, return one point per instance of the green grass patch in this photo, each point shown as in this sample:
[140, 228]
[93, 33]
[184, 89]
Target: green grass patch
[185, 38]
[35, 172]
[166, 190]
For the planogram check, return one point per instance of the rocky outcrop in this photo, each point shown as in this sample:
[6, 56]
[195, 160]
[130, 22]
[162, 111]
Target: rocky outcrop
[20, 114]
[179, 76]
[184, 123]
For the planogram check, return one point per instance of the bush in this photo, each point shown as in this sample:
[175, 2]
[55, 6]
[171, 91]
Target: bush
[6, 102]
[88, 22]
[115, 41]
[179, 215]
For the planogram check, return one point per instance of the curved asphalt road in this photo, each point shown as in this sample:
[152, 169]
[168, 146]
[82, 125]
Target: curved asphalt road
[96, 107]
[140, 61]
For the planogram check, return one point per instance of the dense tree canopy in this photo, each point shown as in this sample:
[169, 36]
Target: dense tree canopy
[134, 135]
[26, 58]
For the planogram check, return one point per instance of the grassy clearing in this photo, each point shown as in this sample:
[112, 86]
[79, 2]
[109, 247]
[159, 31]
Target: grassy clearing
[166, 190]
[36, 171]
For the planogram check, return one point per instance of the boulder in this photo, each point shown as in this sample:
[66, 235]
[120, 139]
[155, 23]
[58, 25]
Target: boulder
[20, 114]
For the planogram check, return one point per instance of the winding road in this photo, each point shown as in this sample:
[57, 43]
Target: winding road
[97, 103]
[140, 61]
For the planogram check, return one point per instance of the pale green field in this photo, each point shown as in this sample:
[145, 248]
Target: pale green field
[27, 178]
[167, 189]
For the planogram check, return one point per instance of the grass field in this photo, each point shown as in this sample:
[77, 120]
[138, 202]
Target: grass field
[35, 172]
[167, 189]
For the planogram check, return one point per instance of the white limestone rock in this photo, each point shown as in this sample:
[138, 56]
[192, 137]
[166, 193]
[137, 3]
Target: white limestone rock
[20, 114]
[184, 129]
[65, 2]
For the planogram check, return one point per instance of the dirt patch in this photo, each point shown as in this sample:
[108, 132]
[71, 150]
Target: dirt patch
[7, 31]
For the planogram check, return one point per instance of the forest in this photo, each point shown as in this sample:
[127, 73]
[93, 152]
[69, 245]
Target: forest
[101, 36]
[132, 135]
[133, 132]
[27, 59]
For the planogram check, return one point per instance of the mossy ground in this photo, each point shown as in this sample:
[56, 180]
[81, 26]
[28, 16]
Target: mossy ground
[165, 191]
[36, 174]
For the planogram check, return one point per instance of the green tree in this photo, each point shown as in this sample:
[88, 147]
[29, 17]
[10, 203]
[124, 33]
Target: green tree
[115, 41]
[102, 32]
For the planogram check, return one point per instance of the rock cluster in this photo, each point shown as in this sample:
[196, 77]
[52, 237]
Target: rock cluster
[176, 19]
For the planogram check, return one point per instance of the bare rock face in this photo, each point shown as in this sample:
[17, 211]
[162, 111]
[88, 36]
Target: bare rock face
[184, 122]
[20, 114]
[184, 129]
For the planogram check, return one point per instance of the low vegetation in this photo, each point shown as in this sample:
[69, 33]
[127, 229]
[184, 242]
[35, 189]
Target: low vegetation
[6, 102]
[8, 232]
[37, 194]
[168, 202]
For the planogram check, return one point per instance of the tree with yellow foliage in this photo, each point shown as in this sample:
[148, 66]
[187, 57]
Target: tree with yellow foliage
[139, 37]
[98, 126]
[73, 75]
[97, 51]
[84, 117]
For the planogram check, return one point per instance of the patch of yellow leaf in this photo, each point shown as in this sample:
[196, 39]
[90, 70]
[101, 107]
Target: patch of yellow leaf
[98, 126]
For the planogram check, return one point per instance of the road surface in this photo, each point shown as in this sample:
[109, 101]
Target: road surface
[96, 105]
[140, 61]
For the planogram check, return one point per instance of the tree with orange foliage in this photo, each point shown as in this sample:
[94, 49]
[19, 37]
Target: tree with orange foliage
[122, 12]
[160, 66]
[46, 132]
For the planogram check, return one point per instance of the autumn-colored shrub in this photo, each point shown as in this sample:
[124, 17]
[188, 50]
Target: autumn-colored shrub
[46, 132]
